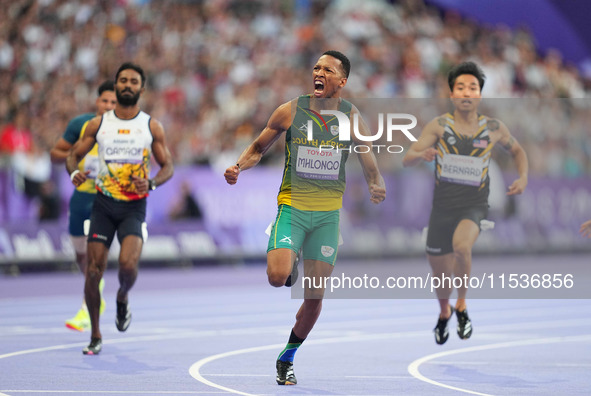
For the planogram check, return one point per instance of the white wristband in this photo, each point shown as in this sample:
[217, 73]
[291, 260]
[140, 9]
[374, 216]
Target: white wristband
[74, 174]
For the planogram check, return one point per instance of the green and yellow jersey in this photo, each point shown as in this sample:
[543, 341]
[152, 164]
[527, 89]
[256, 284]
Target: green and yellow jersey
[74, 132]
[314, 175]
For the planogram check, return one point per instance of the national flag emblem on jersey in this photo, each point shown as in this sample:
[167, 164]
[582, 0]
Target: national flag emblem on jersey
[480, 143]
[124, 131]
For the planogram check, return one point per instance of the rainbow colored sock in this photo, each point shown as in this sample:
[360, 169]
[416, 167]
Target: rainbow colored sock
[291, 348]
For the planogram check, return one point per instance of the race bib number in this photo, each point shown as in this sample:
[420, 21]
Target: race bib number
[461, 169]
[124, 150]
[313, 163]
[91, 163]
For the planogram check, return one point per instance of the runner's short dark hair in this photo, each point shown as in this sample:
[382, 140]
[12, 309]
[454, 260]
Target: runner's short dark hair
[465, 68]
[132, 66]
[108, 85]
[344, 60]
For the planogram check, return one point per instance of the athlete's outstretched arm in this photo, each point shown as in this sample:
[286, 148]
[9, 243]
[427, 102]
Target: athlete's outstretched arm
[80, 149]
[423, 149]
[510, 144]
[161, 155]
[369, 164]
[278, 123]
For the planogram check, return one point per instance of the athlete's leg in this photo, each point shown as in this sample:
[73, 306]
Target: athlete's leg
[97, 263]
[79, 243]
[285, 240]
[464, 238]
[442, 269]
[129, 256]
[279, 265]
[310, 309]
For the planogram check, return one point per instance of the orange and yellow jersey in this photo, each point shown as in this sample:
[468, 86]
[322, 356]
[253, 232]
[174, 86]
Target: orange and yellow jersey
[314, 175]
[125, 149]
[461, 166]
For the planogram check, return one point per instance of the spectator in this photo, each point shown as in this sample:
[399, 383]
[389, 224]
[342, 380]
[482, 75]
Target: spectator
[186, 206]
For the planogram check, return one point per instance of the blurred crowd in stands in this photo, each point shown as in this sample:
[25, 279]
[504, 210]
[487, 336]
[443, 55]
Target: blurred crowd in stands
[217, 69]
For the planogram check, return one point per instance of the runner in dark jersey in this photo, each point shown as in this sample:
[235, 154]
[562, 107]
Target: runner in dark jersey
[461, 144]
[311, 192]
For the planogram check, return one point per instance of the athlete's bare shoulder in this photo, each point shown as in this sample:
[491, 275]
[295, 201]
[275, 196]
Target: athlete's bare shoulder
[436, 126]
[493, 124]
[282, 117]
[93, 126]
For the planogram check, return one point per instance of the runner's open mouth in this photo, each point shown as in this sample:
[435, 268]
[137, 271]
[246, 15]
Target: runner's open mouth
[318, 87]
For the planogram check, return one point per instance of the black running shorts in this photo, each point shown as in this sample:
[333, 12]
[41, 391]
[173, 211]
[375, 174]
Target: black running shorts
[110, 216]
[443, 223]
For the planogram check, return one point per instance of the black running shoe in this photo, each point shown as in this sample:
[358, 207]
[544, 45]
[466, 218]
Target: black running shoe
[123, 318]
[293, 277]
[464, 324]
[94, 348]
[440, 330]
[285, 375]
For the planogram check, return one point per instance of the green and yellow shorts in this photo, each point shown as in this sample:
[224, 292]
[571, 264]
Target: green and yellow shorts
[315, 232]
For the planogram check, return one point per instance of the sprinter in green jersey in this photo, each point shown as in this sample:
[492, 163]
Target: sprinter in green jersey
[311, 190]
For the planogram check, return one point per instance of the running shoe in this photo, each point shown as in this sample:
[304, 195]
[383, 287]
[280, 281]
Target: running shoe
[293, 277]
[80, 322]
[123, 318]
[285, 375]
[103, 302]
[440, 330]
[103, 306]
[464, 324]
[94, 348]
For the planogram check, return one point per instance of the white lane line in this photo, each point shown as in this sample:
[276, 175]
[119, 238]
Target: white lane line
[379, 376]
[237, 375]
[153, 337]
[195, 369]
[413, 368]
[113, 392]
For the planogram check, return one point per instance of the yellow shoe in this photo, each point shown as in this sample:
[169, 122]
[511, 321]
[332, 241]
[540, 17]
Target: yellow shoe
[103, 302]
[103, 306]
[80, 322]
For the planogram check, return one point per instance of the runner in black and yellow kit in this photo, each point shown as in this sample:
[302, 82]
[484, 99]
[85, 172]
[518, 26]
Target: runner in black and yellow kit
[461, 144]
[84, 195]
[311, 191]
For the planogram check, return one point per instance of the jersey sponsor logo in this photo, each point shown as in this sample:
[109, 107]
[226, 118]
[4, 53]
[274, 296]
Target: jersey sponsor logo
[327, 251]
[124, 131]
[451, 140]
